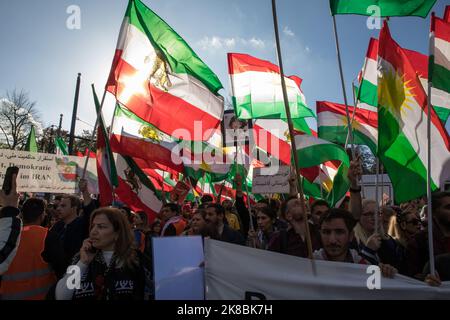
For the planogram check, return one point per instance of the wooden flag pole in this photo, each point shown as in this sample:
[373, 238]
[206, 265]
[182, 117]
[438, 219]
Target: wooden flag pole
[350, 129]
[429, 106]
[291, 131]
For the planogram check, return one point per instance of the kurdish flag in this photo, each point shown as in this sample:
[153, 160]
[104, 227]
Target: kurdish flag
[388, 8]
[332, 124]
[257, 91]
[402, 125]
[313, 151]
[367, 95]
[157, 76]
[440, 65]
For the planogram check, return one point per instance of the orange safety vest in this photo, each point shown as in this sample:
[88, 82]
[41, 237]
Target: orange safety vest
[29, 277]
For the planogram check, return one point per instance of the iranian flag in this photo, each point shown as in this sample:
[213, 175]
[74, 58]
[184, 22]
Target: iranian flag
[157, 76]
[333, 125]
[257, 91]
[388, 8]
[135, 188]
[106, 169]
[135, 137]
[402, 129]
[440, 65]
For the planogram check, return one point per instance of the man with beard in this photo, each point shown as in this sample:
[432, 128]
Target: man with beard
[215, 215]
[336, 234]
[292, 241]
[418, 254]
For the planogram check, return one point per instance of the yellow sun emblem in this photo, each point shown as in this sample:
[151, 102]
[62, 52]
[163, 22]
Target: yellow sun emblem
[149, 133]
[287, 135]
[394, 93]
[355, 124]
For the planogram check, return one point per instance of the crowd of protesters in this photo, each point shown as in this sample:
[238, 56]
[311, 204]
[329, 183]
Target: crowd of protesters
[112, 246]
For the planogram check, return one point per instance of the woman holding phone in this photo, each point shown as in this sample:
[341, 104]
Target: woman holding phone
[109, 265]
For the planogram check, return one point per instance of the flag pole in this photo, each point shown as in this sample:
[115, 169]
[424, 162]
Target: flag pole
[376, 194]
[291, 133]
[252, 227]
[94, 131]
[382, 184]
[350, 129]
[429, 106]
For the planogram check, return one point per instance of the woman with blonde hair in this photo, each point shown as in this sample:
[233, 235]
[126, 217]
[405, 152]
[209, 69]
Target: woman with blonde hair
[111, 268]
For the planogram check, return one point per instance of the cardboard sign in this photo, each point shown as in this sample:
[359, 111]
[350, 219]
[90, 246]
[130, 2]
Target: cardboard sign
[275, 183]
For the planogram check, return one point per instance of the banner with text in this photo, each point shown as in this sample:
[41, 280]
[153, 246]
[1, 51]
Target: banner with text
[43, 172]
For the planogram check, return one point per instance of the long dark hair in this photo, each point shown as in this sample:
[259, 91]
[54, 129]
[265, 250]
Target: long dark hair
[124, 248]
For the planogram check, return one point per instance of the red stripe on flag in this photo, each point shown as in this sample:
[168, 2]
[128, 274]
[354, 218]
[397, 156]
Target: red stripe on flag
[397, 57]
[273, 145]
[362, 115]
[144, 150]
[441, 29]
[240, 63]
[165, 111]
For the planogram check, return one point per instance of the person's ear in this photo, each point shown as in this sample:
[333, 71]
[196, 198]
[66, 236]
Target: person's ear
[403, 225]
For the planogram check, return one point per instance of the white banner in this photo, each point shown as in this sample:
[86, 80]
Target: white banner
[236, 272]
[274, 183]
[43, 172]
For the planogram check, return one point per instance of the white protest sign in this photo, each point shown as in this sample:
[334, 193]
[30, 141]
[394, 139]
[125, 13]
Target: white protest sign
[43, 172]
[276, 183]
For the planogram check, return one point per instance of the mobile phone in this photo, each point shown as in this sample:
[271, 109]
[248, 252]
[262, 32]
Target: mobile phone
[7, 182]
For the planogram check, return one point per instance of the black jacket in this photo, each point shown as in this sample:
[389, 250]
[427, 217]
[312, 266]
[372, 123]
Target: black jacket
[72, 235]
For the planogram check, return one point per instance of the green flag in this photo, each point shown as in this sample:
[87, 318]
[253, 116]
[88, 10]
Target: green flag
[61, 147]
[388, 8]
[31, 145]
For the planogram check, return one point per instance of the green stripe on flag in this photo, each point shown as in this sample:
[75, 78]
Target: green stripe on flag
[368, 93]
[339, 135]
[441, 78]
[181, 58]
[247, 109]
[403, 165]
[442, 113]
[388, 8]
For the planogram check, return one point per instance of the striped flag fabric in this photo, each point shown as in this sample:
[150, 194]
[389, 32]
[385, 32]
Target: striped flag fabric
[333, 125]
[388, 8]
[440, 65]
[402, 125]
[257, 91]
[134, 137]
[61, 147]
[157, 76]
